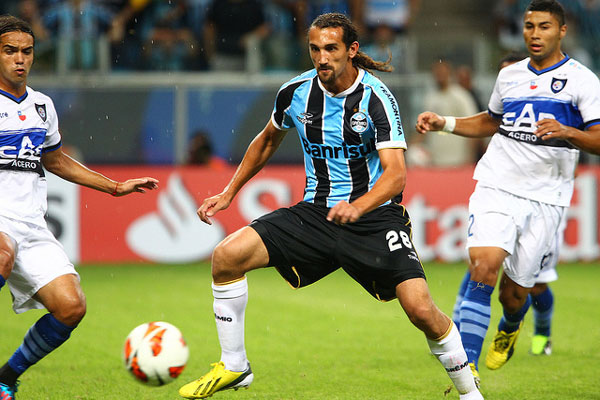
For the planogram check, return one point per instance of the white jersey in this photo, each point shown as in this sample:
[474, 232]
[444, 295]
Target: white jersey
[28, 128]
[516, 160]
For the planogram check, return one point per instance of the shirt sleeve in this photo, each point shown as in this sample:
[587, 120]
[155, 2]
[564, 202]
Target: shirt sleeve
[495, 106]
[385, 116]
[588, 100]
[53, 138]
[281, 117]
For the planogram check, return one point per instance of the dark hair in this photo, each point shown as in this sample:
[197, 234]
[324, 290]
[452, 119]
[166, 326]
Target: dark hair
[349, 36]
[9, 23]
[511, 57]
[551, 6]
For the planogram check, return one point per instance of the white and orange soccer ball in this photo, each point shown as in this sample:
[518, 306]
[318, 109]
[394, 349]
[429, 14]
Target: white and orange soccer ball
[155, 353]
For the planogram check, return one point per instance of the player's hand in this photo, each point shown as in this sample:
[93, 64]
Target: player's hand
[429, 121]
[343, 213]
[211, 206]
[138, 185]
[550, 128]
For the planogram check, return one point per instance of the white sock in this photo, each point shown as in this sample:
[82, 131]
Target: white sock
[449, 350]
[229, 306]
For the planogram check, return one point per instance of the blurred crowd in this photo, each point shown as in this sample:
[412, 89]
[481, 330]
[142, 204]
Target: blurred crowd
[192, 35]
[251, 35]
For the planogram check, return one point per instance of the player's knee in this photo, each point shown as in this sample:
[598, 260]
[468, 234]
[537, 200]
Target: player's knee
[511, 301]
[421, 315]
[226, 264]
[71, 311]
[538, 289]
[483, 270]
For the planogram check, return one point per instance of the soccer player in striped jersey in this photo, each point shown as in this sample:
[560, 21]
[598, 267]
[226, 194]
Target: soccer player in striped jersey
[351, 135]
[33, 264]
[545, 109]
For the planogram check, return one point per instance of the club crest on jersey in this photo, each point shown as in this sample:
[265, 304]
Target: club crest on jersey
[22, 116]
[358, 122]
[41, 110]
[558, 85]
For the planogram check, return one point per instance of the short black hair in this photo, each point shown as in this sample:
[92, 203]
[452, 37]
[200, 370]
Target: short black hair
[10, 23]
[551, 6]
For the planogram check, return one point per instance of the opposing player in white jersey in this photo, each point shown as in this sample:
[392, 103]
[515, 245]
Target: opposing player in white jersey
[32, 262]
[545, 109]
[542, 298]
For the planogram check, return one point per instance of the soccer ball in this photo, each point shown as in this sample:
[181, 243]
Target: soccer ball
[155, 353]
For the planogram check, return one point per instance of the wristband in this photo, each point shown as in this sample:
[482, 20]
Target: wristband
[114, 193]
[450, 124]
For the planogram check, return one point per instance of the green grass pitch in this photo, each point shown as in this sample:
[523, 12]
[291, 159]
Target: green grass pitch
[328, 341]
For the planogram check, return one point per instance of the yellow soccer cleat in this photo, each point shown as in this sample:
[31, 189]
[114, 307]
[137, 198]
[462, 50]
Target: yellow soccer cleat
[476, 377]
[218, 378]
[502, 348]
[541, 345]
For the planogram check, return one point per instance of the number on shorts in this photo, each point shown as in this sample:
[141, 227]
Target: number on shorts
[396, 241]
[471, 220]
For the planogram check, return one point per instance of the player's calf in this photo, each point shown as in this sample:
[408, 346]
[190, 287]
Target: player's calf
[41, 339]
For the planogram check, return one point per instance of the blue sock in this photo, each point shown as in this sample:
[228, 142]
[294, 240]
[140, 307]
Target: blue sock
[43, 337]
[543, 307]
[510, 322]
[475, 312]
[459, 298]
[2, 281]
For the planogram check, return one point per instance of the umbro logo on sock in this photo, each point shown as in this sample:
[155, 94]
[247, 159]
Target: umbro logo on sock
[458, 367]
[224, 319]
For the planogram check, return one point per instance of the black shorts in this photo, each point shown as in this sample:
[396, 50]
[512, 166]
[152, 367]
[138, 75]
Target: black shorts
[376, 251]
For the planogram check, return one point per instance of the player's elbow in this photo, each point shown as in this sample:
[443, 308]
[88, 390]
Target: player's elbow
[397, 184]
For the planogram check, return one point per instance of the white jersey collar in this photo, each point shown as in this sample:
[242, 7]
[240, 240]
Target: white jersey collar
[361, 73]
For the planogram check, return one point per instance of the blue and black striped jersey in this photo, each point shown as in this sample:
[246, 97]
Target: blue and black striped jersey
[340, 134]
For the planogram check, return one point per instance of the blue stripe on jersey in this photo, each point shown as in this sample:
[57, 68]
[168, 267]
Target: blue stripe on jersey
[592, 123]
[52, 148]
[523, 113]
[314, 134]
[19, 143]
[354, 119]
[21, 150]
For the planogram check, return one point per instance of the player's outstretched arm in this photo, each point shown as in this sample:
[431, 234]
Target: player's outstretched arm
[258, 153]
[429, 121]
[476, 126]
[71, 170]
